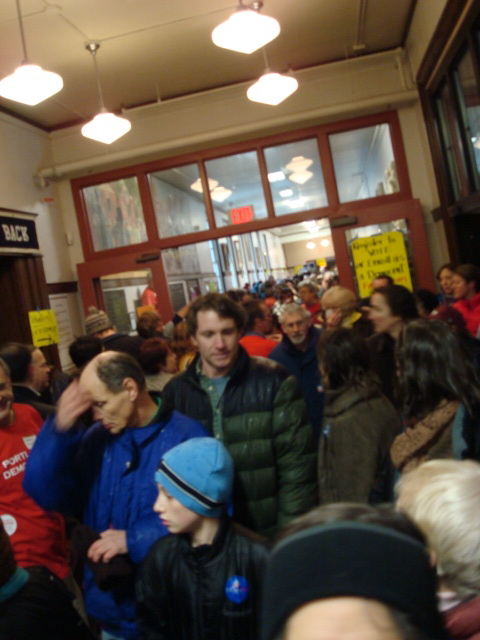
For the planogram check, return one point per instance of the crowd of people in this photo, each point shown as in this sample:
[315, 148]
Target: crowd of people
[279, 462]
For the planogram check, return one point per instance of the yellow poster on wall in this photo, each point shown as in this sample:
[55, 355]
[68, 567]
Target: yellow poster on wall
[44, 328]
[385, 253]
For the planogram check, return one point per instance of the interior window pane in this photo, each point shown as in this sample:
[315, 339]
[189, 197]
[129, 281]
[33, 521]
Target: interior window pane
[236, 189]
[191, 270]
[178, 201]
[444, 117]
[364, 163]
[295, 177]
[470, 100]
[115, 214]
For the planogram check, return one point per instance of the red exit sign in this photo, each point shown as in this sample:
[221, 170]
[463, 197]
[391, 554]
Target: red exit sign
[242, 214]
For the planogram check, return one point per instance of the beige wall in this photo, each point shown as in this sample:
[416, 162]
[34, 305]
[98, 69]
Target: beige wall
[296, 253]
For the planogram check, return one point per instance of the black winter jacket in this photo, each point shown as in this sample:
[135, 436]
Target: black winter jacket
[266, 429]
[209, 592]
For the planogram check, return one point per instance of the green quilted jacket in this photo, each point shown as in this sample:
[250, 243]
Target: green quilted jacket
[266, 429]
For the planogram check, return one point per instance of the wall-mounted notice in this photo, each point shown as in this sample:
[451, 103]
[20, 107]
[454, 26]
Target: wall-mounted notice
[385, 253]
[44, 328]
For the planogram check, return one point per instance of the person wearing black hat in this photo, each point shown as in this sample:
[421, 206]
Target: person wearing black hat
[203, 581]
[354, 573]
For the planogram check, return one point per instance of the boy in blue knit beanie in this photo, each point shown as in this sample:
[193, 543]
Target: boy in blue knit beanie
[203, 582]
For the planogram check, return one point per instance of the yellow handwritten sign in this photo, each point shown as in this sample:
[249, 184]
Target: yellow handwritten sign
[385, 253]
[43, 325]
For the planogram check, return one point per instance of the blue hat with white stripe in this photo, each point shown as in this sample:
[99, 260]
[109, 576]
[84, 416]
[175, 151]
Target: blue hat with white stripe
[199, 474]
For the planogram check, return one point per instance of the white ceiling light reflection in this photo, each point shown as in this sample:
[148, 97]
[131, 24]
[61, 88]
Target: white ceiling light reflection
[276, 176]
[219, 194]
[197, 185]
[299, 163]
[286, 193]
[300, 177]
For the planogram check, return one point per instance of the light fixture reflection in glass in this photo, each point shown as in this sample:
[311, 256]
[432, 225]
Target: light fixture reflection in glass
[310, 245]
[272, 88]
[299, 163]
[106, 127]
[245, 31]
[219, 194]
[197, 185]
[300, 177]
[276, 176]
[286, 193]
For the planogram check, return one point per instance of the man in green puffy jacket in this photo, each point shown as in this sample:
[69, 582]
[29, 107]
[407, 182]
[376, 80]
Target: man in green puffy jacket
[256, 409]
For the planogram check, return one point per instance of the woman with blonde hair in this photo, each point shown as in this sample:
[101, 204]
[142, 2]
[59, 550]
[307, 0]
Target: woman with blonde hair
[339, 306]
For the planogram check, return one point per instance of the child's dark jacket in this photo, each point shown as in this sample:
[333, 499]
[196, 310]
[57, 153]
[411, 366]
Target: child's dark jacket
[209, 592]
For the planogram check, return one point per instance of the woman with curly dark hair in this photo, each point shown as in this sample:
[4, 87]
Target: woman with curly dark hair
[440, 395]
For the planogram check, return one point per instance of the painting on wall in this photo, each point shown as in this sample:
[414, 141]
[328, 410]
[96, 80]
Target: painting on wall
[115, 214]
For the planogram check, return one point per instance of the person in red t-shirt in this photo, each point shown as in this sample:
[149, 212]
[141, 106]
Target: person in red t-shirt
[308, 293]
[149, 296]
[37, 537]
[259, 324]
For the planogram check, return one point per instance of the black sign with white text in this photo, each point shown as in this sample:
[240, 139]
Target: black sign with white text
[18, 234]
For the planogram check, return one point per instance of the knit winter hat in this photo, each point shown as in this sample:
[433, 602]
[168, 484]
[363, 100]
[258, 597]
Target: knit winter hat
[97, 320]
[355, 559]
[199, 474]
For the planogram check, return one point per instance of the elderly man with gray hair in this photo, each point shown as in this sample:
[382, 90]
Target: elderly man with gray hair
[106, 474]
[297, 353]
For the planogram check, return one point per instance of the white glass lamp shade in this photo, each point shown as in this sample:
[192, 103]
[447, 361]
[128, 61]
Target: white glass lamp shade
[272, 88]
[106, 127]
[30, 84]
[245, 31]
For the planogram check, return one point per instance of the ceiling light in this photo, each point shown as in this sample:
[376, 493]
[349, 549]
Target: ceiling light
[272, 88]
[197, 185]
[29, 83]
[219, 194]
[286, 193]
[246, 30]
[309, 223]
[325, 242]
[276, 176]
[105, 127]
[300, 177]
[299, 163]
[310, 245]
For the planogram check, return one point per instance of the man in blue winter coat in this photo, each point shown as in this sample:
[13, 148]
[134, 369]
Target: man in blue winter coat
[297, 353]
[106, 474]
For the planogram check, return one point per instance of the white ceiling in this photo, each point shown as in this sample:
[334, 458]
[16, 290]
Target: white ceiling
[161, 49]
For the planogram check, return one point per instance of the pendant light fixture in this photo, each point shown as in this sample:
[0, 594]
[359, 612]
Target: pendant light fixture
[29, 83]
[105, 127]
[246, 30]
[272, 88]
